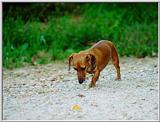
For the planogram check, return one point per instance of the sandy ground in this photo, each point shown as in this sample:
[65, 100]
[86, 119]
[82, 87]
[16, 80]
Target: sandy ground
[50, 92]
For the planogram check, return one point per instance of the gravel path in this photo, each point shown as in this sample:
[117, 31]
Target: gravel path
[50, 92]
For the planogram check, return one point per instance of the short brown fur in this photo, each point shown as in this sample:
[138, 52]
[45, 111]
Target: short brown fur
[94, 60]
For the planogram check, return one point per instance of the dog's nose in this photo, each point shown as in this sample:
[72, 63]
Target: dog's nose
[80, 81]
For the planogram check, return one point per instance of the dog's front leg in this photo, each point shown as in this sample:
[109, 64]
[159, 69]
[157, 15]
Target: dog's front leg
[94, 79]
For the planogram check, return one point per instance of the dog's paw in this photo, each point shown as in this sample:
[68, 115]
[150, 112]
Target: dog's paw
[117, 78]
[91, 85]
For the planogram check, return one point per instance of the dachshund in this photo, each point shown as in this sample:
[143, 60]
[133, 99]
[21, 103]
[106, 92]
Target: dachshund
[94, 60]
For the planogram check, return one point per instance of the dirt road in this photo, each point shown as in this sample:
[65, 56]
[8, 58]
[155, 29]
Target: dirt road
[50, 92]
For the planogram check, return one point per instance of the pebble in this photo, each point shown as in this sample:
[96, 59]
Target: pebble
[81, 95]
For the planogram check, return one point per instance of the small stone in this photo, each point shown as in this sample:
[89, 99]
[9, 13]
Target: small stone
[94, 104]
[155, 108]
[80, 95]
[54, 79]
[141, 81]
[138, 86]
[65, 80]
[61, 77]
[151, 89]
[134, 102]
[155, 65]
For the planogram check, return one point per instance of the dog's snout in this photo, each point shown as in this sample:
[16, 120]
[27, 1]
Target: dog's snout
[81, 76]
[81, 80]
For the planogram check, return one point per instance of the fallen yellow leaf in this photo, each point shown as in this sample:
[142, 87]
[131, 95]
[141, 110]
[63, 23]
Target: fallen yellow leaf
[76, 107]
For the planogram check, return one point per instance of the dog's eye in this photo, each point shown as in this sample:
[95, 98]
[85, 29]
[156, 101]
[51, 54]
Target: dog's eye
[75, 68]
[83, 68]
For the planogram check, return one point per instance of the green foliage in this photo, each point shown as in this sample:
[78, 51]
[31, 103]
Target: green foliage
[132, 27]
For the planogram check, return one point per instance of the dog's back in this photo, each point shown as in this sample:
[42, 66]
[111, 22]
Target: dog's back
[106, 50]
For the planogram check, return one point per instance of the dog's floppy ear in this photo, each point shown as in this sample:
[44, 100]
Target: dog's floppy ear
[92, 60]
[70, 60]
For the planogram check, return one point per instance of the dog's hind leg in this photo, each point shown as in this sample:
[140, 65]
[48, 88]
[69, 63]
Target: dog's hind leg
[115, 61]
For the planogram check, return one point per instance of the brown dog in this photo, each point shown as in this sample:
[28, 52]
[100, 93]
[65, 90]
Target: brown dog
[94, 60]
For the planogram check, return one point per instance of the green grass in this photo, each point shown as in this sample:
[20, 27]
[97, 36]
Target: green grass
[133, 29]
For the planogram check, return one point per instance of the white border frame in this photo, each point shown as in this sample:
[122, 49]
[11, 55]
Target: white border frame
[1, 84]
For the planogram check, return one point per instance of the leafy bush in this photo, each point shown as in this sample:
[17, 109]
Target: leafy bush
[132, 27]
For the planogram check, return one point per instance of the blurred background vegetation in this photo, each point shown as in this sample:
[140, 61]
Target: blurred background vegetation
[38, 33]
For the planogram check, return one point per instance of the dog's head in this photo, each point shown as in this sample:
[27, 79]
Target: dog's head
[82, 62]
